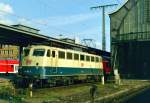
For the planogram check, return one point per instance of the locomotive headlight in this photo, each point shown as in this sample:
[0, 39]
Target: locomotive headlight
[37, 65]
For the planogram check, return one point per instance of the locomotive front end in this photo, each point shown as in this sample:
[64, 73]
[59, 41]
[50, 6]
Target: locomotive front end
[33, 63]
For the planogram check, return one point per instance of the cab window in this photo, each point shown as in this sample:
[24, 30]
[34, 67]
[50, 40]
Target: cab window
[26, 52]
[38, 52]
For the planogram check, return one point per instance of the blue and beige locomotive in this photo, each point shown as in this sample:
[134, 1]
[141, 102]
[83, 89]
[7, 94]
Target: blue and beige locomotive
[53, 65]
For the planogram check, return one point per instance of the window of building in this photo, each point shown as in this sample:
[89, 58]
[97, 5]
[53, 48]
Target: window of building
[92, 59]
[38, 52]
[2, 46]
[6, 51]
[76, 56]
[87, 58]
[48, 53]
[3, 51]
[53, 54]
[69, 55]
[82, 57]
[5, 46]
[61, 54]
[10, 51]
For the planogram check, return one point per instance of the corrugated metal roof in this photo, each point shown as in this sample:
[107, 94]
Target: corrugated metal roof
[119, 7]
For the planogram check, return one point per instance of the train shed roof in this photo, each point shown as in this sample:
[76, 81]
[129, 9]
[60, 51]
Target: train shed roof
[22, 37]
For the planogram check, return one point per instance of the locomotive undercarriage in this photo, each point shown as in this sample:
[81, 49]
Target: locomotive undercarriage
[54, 81]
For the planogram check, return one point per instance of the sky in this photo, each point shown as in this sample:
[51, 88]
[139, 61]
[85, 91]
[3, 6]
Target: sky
[60, 18]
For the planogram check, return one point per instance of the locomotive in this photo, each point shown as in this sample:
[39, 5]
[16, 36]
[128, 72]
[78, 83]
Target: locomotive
[53, 65]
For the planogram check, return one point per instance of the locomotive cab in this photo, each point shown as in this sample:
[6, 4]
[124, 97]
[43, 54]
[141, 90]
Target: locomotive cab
[34, 60]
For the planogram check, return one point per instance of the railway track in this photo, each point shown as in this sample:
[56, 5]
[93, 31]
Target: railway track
[73, 85]
[68, 86]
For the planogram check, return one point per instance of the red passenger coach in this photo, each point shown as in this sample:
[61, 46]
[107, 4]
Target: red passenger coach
[107, 69]
[9, 66]
[108, 72]
[106, 66]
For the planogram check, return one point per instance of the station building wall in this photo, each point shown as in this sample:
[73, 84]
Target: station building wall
[9, 52]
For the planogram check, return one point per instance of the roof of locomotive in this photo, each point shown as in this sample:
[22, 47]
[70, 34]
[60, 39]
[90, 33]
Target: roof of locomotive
[69, 50]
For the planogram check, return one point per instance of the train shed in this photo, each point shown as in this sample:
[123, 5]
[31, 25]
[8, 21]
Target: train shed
[23, 36]
[130, 39]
